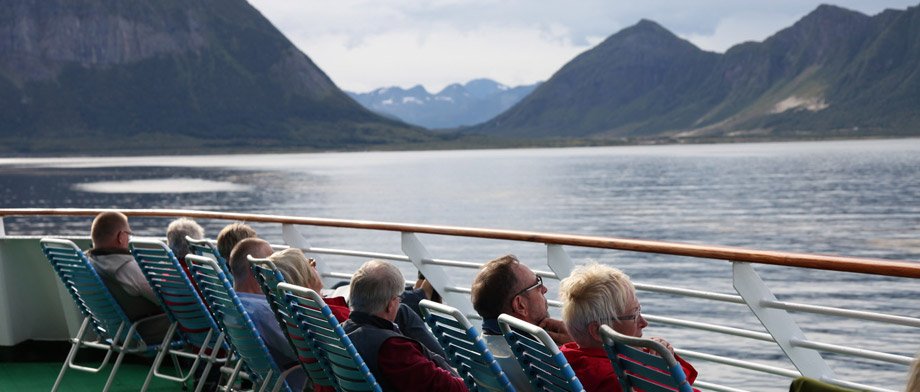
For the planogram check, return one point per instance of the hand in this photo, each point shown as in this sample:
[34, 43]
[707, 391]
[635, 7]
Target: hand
[664, 343]
[556, 330]
[426, 287]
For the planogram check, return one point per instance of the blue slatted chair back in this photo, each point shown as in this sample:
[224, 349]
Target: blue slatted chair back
[540, 358]
[88, 291]
[204, 247]
[234, 321]
[176, 293]
[637, 369]
[269, 277]
[333, 347]
[465, 349]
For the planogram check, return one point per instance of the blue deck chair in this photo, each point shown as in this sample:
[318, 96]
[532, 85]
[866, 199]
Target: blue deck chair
[190, 319]
[256, 362]
[204, 247]
[540, 358]
[328, 340]
[465, 349]
[269, 277]
[635, 368]
[115, 333]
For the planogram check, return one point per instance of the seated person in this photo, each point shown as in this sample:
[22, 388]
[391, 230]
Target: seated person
[175, 239]
[299, 270]
[230, 235]
[592, 296]
[421, 290]
[504, 285]
[398, 362]
[255, 303]
[122, 275]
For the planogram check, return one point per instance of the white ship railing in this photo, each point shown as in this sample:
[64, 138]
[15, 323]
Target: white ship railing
[803, 354]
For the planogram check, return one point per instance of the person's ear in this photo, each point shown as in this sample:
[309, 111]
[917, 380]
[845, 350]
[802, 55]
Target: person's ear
[594, 329]
[519, 307]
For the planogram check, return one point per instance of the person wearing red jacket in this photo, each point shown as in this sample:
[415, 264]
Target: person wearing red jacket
[592, 296]
[399, 363]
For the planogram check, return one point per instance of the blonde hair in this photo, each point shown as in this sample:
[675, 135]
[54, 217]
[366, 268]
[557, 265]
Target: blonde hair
[294, 266]
[593, 292]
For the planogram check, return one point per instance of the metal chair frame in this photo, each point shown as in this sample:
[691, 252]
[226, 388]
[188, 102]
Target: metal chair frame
[465, 349]
[191, 321]
[100, 312]
[653, 372]
[540, 358]
[335, 351]
[269, 277]
[255, 362]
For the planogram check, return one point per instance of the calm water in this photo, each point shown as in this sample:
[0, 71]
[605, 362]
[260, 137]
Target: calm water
[855, 198]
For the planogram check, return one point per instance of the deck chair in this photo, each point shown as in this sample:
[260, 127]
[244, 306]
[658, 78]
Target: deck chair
[637, 369]
[269, 277]
[328, 340]
[204, 247]
[255, 360]
[190, 320]
[102, 315]
[540, 358]
[465, 349]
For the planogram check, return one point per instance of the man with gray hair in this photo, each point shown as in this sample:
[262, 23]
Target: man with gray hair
[176, 233]
[398, 362]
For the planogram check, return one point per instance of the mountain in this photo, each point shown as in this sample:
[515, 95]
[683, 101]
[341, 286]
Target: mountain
[834, 73]
[110, 75]
[456, 105]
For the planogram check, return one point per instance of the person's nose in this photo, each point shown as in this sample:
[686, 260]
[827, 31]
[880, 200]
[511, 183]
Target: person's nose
[642, 322]
[543, 289]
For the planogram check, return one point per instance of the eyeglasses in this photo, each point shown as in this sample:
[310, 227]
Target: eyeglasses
[311, 262]
[629, 317]
[535, 285]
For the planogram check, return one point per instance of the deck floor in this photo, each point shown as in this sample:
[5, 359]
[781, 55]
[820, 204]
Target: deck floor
[40, 376]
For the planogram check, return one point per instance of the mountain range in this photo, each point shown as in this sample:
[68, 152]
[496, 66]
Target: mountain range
[834, 73]
[101, 76]
[193, 76]
[456, 105]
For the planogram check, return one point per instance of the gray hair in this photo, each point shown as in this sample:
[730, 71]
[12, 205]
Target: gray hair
[374, 285]
[176, 232]
[593, 292]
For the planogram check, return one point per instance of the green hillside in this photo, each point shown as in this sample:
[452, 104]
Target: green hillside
[104, 75]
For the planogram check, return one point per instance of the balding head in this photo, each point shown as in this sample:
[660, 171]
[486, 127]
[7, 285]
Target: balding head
[244, 280]
[110, 230]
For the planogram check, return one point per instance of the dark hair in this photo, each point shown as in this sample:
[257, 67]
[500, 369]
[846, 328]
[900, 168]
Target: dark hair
[230, 235]
[238, 263]
[493, 287]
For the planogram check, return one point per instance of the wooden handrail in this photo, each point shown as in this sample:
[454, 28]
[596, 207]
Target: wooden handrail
[905, 269]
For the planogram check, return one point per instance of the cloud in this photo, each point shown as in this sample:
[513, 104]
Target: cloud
[366, 44]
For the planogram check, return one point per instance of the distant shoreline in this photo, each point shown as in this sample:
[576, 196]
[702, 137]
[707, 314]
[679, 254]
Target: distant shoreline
[468, 143]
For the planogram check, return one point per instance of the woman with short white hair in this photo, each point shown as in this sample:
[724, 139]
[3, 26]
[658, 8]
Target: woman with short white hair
[596, 295]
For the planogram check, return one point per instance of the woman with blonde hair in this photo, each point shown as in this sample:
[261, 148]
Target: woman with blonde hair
[299, 270]
[596, 295]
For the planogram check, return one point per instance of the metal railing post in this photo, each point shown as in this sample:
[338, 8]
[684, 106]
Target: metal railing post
[778, 322]
[559, 261]
[2, 230]
[436, 275]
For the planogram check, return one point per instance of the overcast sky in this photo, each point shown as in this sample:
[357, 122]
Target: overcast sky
[366, 44]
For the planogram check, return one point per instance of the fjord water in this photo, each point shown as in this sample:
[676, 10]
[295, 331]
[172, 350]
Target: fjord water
[852, 198]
